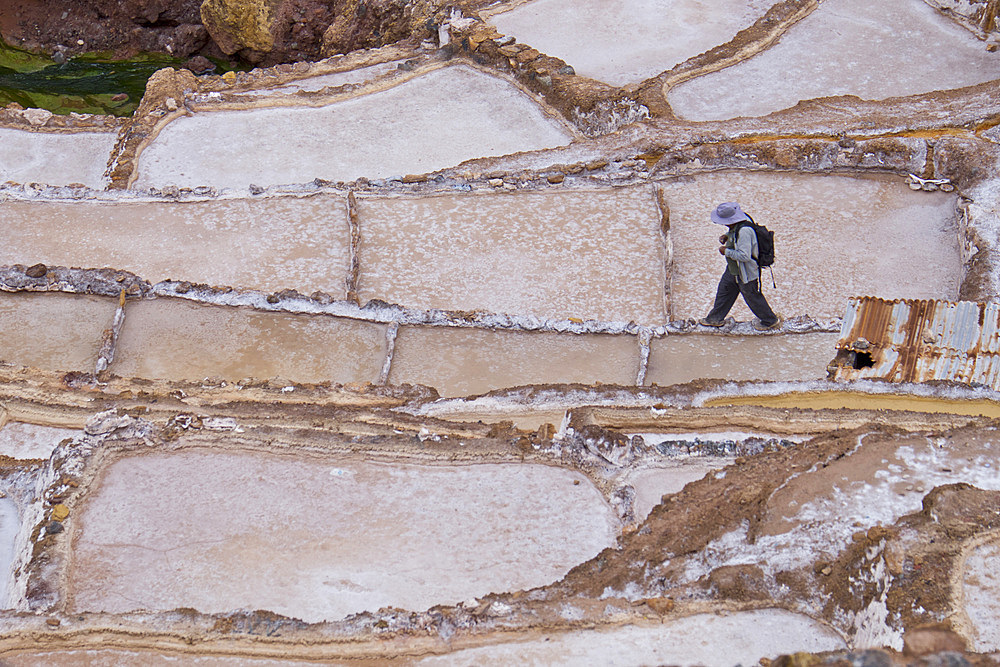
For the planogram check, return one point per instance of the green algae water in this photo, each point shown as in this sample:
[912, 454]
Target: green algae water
[91, 83]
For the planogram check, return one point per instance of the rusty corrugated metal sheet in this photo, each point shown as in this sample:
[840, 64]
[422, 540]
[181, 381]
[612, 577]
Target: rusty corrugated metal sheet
[917, 341]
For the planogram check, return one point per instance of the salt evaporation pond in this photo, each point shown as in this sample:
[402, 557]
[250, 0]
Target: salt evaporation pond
[628, 41]
[815, 513]
[707, 640]
[433, 121]
[115, 657]
[55, 158]
[678, 359]
[177, 340]
[54, 332]
[588, 255]
[835, 237]
[981, 594]
[334, 79]
[651, 484]
[463, 362]
[31, 441]
[268, 244]
[10, 524]
[874, 50]
[318, 538]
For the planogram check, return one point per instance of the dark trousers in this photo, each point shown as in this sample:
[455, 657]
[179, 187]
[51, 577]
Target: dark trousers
[729, 289]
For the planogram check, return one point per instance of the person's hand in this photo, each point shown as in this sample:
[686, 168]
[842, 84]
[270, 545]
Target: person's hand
[723, 239]
[722, 250]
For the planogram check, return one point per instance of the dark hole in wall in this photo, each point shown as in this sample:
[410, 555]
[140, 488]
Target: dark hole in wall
[863, 360]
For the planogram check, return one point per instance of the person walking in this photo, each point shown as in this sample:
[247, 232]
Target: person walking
[742, 275]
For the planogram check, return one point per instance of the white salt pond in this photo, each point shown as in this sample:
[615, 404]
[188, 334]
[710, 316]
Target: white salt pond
[173, 339]
[590, 255]
[874, 50]
[31, 441]
[651, 484]
[433, 121]
[631, 40]
[269, 244]
[678, 359]
[815, 512]
[10, 524]
[463, 362]
[319, 538]
[55, 158]
[705, 639]
[981, 594]
[54, 332]
[834, 236]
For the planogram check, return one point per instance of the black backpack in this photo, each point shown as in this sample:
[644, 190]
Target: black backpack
[765, 245]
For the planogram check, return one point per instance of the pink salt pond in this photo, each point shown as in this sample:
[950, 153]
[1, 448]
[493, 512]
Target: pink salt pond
[268, 244]
[54, 332]
[462, 362]
[586, 254]
[319, 537]
[172, 339]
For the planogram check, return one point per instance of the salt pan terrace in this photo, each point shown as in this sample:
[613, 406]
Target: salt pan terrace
[56, 159]
[630, 41]
[53, 331]
[31, 441]
[435, 120]
[273, 244]
[835, 236]
[702, 639]
[401, 535]
[677, 359]
[981, 589]
[845, 47]
[589, 255]
[177, 340]
[462, 362]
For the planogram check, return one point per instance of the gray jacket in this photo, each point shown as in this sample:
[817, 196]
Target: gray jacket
[743, 254]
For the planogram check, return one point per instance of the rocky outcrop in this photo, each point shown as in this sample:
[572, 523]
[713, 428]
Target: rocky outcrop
[241, 24]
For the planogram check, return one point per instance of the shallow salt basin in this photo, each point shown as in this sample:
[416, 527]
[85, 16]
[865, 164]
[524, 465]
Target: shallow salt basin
[269, 244]
[815, 513]
[627, 41]
[845, 47]
[981, 593]
[179, 340]
[55, 332]
[31, 441]
[651, 484]
[433, 121]
[10, 524]
[318, 538]
[316, 83]
[835, 237]
[114, 657]
[679, 359]
[704, 639]
[589, 255]
[464, 362]
[55, 159]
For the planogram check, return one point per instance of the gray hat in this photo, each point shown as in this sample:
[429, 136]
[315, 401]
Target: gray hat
[728, 213]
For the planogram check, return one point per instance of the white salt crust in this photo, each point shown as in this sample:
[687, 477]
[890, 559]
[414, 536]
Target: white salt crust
[433, 121]
[874, 50]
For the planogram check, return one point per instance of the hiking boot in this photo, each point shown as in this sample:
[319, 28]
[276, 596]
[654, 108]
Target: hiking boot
[759, 326]
[705, 322]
